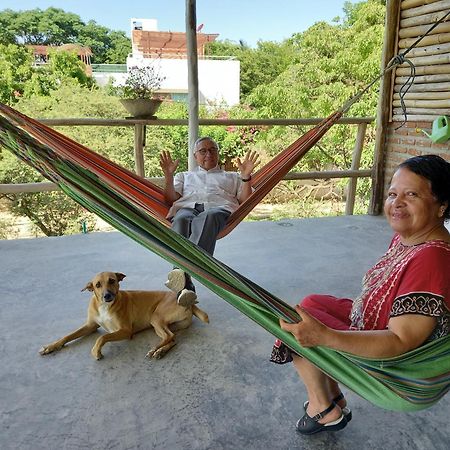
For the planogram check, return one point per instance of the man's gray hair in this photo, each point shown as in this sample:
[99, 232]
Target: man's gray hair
[205, 138]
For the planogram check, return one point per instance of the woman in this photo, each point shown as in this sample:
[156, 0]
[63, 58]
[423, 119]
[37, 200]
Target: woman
[405, 299]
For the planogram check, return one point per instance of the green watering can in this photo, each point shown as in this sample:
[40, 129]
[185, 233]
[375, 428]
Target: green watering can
[440, 132]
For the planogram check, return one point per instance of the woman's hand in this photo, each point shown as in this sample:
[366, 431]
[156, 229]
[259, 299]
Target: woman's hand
[247, 165]
[404, 333]
[168, 166]
[309, 332]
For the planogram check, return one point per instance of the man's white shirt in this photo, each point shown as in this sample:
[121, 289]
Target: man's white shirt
[213, 188]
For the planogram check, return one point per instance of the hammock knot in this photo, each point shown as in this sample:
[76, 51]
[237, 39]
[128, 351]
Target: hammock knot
[398, 59]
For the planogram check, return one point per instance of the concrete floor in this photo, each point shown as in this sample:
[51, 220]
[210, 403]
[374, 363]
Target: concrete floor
[216, 388]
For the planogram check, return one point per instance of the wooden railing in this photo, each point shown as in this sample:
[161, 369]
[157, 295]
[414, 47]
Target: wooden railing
[139, 139]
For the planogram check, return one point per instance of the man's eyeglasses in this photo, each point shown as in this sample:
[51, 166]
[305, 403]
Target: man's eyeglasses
[203, 151]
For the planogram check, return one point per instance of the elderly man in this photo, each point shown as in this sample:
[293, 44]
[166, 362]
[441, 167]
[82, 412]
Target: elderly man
[202, 200]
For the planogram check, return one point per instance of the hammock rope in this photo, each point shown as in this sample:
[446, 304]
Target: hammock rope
[409, 382]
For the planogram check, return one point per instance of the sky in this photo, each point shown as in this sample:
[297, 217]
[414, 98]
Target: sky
[247, 20]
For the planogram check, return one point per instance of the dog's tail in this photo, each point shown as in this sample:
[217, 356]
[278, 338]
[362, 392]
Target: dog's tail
[200, 314]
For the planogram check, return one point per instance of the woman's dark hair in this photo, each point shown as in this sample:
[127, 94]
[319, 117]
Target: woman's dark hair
[437, 171]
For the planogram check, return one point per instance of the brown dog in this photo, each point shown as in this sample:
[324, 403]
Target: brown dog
[124, 313]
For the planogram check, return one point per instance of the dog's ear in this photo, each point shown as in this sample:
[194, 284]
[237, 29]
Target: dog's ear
[88, 287]
[120, 276]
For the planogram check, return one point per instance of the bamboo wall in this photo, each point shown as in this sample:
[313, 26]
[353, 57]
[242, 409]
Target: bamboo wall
[427, 98]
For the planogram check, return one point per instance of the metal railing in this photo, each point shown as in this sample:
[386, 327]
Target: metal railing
[139, 141]
[109, 68]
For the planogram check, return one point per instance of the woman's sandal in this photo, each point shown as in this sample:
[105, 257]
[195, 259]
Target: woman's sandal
[346, 411]
[310, 425]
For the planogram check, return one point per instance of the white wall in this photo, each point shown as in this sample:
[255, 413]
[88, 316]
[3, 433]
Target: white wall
[218, 80]
[102, 78]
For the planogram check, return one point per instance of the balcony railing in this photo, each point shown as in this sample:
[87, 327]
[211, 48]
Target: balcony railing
[109, 68]
[139, 139]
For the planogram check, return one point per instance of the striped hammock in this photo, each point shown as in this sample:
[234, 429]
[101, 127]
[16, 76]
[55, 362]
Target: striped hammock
[149, 196]
[409, 382]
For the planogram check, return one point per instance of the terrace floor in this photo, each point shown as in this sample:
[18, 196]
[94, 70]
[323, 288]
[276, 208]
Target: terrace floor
[216, 388]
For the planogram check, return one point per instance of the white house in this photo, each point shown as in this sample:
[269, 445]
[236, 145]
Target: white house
[218, 77]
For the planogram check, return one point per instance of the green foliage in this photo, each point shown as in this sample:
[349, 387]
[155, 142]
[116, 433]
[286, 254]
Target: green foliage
[118, 49]
[65, 65]
[54, 26]
[18, 78]
[234, 141]
[334, 62]
[257, 66]
[173, 139]
[15, 71]
[52, 213]
[108, 47]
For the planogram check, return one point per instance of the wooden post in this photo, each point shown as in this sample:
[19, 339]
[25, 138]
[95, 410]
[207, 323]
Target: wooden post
[191, 38]
[139, 143]
[389, 48]
[356, 161]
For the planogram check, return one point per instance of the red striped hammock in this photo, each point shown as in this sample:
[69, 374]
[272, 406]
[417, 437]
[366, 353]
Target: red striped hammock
[148, 195]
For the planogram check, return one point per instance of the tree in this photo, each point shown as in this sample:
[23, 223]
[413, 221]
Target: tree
[332, 63]
[258, 66]
[65, 65]
[54, 26]
[107, 46]
[50, 27]
[119, 48]
[15, 71]
[7, 33]
[18, 78]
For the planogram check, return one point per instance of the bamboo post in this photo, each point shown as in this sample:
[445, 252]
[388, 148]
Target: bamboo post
[389, 44]
[139, 143]
[356, 161]
[191, 38]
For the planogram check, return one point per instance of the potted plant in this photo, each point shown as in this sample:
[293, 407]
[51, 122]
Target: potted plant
[137, 93]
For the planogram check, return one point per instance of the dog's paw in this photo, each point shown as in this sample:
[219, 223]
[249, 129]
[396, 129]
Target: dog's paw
[96, 354]
[46, 349]
[156, 354]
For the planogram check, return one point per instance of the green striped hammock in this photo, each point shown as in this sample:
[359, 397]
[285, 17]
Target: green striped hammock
[409, 382]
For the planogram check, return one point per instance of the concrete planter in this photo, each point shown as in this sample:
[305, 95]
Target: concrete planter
[141, 107]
